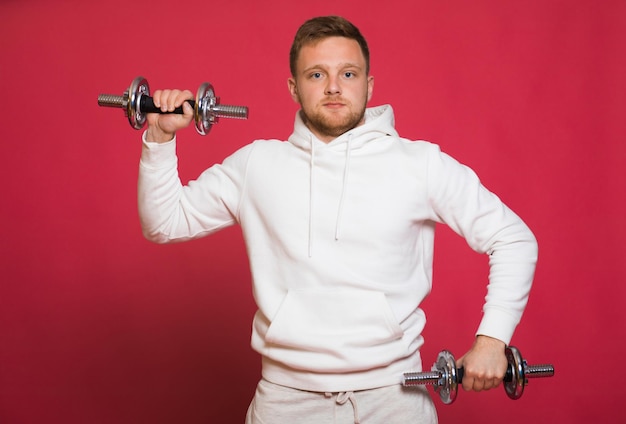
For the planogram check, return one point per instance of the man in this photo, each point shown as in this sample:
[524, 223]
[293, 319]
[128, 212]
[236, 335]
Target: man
[339, 225]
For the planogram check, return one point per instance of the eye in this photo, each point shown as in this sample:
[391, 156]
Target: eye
[316, 75]
[349, 74]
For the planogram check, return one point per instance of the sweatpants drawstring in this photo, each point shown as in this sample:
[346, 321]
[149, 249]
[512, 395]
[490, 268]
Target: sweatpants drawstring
[342, 398]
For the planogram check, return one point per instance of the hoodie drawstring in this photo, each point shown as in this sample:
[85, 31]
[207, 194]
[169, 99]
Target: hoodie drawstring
[344, 190]
[311, 195]
[344, 187]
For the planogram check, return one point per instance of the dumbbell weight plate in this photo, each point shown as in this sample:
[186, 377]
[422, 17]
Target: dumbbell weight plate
[138, 88]
[205, 101]
[448, 386]
[515, 387]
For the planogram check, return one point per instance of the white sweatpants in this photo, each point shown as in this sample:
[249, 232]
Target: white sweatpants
[275, 404]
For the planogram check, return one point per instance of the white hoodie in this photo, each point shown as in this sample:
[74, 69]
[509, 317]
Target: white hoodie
[340, 242]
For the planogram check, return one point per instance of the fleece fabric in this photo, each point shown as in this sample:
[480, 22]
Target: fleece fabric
[340, 240]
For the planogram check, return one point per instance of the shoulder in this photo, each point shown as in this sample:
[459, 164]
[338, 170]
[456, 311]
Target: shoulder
[258, 147]
[420, 150]
[266, 151]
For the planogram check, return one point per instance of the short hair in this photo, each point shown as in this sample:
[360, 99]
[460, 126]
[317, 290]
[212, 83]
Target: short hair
[319, 28]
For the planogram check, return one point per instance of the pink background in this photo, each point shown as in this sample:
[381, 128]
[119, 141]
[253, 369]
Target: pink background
[98, 325]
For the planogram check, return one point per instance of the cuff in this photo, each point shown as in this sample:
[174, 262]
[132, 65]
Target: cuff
[498, 324]
[157, 155]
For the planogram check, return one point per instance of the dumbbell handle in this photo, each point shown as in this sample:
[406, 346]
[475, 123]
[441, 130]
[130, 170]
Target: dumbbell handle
[136, 103]
[530, 371]
[433, 377]
[146, 105]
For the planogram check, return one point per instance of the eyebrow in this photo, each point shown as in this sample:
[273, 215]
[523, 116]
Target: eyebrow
[341, 66]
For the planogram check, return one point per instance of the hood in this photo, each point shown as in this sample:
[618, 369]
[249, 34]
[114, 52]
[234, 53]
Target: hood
[379, 122]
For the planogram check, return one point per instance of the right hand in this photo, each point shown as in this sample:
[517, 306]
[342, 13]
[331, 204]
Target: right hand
[163, 127]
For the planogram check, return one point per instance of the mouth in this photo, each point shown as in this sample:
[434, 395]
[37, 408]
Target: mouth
[333, 105]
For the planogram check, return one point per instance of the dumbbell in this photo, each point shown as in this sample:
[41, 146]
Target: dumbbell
[446, 377]
[136, 102]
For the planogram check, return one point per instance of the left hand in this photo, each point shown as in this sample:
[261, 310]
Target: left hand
[484, 365]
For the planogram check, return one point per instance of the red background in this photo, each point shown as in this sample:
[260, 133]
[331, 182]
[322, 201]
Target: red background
[98, 325]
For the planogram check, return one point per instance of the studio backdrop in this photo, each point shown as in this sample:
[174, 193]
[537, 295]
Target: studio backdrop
[100, 326]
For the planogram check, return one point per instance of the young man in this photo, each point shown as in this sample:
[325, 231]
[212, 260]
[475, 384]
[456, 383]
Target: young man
[339, 225]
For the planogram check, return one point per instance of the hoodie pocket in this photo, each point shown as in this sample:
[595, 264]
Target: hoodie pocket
[337, 322]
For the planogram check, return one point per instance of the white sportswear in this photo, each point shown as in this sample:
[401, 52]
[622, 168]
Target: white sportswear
[340, 242]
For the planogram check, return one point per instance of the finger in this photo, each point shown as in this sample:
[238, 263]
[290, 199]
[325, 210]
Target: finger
[187, 110]
[161, 99]
[487, 384]
[156, 98]
[496, 382]
[175, 98]
[468, 383]
[182, 99]
[172, 100]
[182, 96]
[477, 385]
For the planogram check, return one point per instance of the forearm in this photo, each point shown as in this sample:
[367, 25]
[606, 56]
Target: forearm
[170, 211]
[512, 261]
[158, 189]
[156, 135]
[488, 226]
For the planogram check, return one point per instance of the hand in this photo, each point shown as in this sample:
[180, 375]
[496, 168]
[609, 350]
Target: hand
[163, 127]
[484, 365]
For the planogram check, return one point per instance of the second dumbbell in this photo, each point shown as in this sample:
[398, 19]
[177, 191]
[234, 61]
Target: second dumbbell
[446, 377]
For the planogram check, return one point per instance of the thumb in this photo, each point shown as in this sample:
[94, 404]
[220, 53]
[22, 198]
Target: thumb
[460, 361]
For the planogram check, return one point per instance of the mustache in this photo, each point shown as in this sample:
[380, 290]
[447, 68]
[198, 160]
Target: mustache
[335, 99]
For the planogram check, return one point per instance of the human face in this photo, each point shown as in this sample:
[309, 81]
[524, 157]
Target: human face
[332, 86]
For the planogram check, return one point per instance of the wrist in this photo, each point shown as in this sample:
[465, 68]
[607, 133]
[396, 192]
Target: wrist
[481, 339]
[156, 135]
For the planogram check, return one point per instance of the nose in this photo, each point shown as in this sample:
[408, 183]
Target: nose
[332, 86]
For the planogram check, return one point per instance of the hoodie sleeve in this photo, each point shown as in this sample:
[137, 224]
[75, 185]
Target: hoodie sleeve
[459, 200]
[170, 211]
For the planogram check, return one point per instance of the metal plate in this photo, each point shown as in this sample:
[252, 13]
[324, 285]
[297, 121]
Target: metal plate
[203, 109]
[515, 388]
[137, 88]
[448, 386]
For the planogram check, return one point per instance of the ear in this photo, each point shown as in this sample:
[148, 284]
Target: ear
[293, 90]
[370, 87]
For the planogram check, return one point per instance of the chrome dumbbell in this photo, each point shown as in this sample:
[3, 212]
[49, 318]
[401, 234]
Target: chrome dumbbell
[446, 377]
[136, 103]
